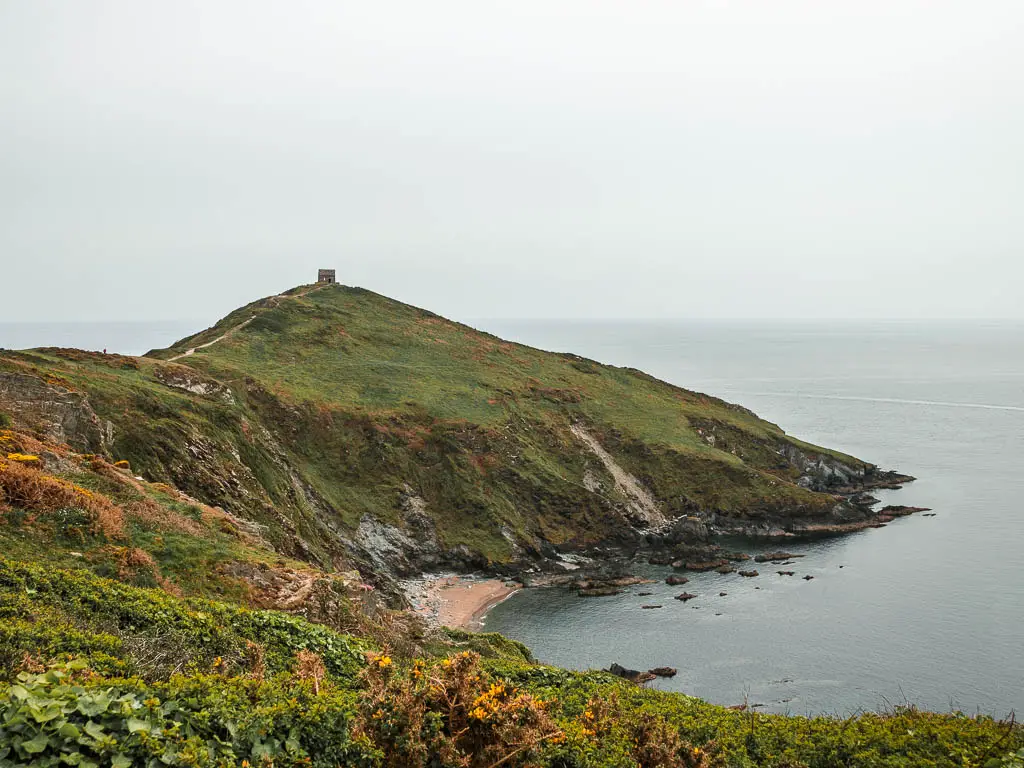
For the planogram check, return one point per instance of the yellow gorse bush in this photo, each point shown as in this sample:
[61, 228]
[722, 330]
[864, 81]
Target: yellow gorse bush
[450, 713]
[25, 458]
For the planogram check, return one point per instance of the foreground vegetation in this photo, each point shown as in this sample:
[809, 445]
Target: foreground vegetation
[101, 673]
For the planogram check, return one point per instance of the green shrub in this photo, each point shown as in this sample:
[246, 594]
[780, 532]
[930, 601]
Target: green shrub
[1013, 760]
[61, 718]
[166, 633]
[5, 420]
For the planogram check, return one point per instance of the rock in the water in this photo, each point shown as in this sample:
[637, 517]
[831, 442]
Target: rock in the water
[808, 577]
[748, 574]
[649, 607]
[787, 573]
[685, 596]
[664, 671]
[725, 569]
[722, 594]
[599, 592]
[703, 565]
[896, 510]
[644, 594]
[772, 557]
[633, 675]
[675, 580]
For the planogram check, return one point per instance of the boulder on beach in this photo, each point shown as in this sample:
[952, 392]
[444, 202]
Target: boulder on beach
[725, 569]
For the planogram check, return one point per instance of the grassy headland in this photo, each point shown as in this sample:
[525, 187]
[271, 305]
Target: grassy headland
[348, 424]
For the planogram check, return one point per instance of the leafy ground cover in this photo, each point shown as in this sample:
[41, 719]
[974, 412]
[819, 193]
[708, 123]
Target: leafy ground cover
[83, 687]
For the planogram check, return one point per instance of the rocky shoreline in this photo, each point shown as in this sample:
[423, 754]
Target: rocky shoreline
[687, 544]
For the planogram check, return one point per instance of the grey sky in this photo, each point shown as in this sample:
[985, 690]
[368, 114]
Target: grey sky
[546, 158]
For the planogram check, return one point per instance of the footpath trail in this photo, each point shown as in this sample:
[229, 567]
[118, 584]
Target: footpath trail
[275, 300]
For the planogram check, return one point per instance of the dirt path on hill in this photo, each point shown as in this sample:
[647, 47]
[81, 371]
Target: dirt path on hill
[275, 299]
[223, 336]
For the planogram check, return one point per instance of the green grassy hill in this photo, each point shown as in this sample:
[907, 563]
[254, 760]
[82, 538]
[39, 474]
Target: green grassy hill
[356, 429]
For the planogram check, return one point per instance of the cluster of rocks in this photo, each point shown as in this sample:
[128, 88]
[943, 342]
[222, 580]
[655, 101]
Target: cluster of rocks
[775, 557]
[891, 512]
[604, 586]
[639, 677]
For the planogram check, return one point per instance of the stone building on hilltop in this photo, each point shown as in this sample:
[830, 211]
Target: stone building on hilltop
[325, 276]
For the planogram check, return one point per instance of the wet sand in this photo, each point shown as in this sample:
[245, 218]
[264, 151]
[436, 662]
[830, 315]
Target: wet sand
[458, 601]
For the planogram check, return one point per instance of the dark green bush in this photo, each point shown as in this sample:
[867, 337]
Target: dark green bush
[60, 717]
[182, 634]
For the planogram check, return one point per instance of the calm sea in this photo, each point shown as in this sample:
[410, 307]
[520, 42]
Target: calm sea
[124, 338]
[928, 610]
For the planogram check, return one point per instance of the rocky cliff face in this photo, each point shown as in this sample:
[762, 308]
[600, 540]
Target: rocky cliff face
[52, 409]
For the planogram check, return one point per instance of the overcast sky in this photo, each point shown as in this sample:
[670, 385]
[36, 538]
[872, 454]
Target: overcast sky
[548, 158]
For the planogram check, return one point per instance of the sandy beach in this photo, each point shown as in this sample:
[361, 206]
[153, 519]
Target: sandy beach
[457, 601]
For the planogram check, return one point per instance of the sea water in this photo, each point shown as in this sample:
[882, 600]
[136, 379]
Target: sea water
[123, 338]
[927, 610]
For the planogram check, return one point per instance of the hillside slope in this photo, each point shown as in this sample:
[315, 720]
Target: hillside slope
[352, 429]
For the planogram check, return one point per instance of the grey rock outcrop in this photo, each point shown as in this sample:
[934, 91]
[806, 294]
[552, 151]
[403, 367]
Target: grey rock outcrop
[60, 413]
